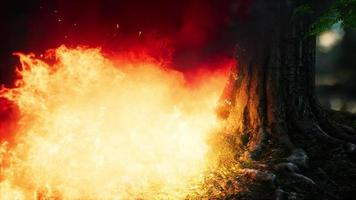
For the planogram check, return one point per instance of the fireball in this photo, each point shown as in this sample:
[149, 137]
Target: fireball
[94, 127]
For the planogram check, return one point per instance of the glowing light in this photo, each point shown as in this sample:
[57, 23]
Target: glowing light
[92, 129]
[329, 39]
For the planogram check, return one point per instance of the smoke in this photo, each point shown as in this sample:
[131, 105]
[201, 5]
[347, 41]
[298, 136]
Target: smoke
[190, 32]
[193, 34]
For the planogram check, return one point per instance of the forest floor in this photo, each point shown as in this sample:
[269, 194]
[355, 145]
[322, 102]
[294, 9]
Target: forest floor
[329, 175]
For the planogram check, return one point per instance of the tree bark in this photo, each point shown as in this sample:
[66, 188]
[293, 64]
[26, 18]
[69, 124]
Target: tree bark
[274, 78]
[269, 98]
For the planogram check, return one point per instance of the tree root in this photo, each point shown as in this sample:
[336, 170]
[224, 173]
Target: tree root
[332, 127]
[314, 128]
[348, 129]
[281, 194]
[295, 175]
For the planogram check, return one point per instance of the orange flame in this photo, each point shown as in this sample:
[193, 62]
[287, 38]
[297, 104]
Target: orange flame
[91, 128]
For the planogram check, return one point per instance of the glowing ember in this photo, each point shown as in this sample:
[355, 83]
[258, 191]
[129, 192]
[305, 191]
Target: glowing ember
[89, 128]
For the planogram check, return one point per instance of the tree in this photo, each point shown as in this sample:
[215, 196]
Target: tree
[270, 107]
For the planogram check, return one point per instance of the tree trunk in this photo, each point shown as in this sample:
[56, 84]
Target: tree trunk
[269, 104]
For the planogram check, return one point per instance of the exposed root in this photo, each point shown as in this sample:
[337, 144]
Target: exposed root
[292, 152]
[342, 133]
[289, 177]
[335, 129]
[326, 139]
[286, 167]
[281, 194]
[348, 129]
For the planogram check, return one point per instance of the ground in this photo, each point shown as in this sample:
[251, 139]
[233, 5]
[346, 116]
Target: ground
[329, 173]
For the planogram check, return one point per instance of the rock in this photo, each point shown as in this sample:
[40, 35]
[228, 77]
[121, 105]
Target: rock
[299, 157]
[258, 175]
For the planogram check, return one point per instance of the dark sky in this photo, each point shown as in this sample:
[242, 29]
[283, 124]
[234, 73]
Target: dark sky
[191, 31]
[13, 33]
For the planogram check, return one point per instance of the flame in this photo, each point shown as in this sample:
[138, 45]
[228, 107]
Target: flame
[95, 128]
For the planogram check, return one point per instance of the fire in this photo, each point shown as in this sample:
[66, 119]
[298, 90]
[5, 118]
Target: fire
[91, 127]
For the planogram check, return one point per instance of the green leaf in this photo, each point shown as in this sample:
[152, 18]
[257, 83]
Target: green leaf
[325, 22]
[302, 10]
[343, 11]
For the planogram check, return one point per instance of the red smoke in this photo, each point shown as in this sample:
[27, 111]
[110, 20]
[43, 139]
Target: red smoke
[194, 36]
[190, 32]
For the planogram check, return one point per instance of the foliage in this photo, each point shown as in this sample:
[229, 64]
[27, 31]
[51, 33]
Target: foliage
[343, 11]
[302, 10]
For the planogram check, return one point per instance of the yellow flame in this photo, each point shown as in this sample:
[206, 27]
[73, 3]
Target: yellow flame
[90, 129]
